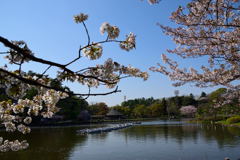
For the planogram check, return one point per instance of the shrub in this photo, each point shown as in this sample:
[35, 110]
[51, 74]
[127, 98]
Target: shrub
[234, 119]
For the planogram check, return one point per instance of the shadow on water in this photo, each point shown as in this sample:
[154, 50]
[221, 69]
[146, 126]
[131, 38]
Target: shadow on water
[45, 144]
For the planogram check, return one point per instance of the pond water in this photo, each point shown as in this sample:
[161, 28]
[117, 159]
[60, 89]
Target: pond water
[157, 140]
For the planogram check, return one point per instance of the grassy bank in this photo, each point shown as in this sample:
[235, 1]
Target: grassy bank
[209, 119]
[233, 121]
[225, 123]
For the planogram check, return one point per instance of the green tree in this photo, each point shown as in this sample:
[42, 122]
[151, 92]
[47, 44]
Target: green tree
[215, 95]
[139, 111]
[98, 108]
[164, 104]
[71, 107]
[124, 110]
[189, 100]
[203, 94]
[156, 110]
[173, 109]
[214, 98]
[139, 101]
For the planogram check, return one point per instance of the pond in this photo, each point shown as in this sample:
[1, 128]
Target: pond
[157, 140]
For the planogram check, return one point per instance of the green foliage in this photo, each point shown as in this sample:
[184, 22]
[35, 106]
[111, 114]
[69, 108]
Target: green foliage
[164, 105]
[124, 110]
[98, 109]
[173, 109]
[213, 118]
[150, 107]
[189, 100]
[141, 101]
[3, 96]
[31, 93]
[139, 108]
[156, 110]
[140, 111]
[71, 107]
[217, 94]
[206, 107]
[234, 119]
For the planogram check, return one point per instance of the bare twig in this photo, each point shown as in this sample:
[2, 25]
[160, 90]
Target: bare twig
[79, 56]
[44, 72]
[84, 25]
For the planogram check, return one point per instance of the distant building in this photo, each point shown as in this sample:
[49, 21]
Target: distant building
[114, 114]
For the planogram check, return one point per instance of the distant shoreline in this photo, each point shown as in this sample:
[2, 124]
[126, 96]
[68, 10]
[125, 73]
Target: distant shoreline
[69, 123]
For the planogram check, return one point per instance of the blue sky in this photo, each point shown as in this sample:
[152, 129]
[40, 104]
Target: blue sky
[48, 28]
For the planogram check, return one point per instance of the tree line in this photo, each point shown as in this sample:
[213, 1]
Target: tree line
[205, 104]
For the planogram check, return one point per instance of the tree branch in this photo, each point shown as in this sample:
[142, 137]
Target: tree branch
[7, 43]
[85, 27]
[35, 83]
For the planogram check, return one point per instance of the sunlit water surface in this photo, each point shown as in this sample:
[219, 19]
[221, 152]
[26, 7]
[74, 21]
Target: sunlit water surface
[157, 140]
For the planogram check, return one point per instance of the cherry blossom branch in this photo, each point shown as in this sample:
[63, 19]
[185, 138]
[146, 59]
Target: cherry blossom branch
[207, 28]
[35, 83]
[43, 61]
[219, 25]
[89, 45]
[18, 113]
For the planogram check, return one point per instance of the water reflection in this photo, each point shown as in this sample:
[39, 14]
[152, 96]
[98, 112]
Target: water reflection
[163, 140]
[159, 140]
[224, 136]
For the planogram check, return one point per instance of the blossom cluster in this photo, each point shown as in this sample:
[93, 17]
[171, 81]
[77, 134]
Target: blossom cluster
[112, 31]
[129, 43]
[12, 145]
[93, 51]
[188, 110]
[16, 58]
[14, 88]
[16, 116]
[80, 18]
[153, 1]
[109, 72]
